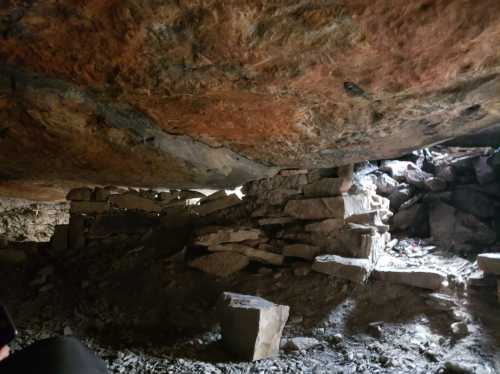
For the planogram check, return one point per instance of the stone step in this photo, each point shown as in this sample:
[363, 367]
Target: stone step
[421, 278]
[353, 269]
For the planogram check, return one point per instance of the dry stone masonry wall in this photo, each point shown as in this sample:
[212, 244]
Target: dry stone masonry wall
[334, 221]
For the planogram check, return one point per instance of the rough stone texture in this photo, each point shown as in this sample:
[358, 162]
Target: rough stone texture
[251, 326]
[354, 269]
[228, 235]
[421, 278]
[216, 205]
[220, 264]
[213, 94]
[327, 187]
[330, 207]
[304, 251]
[489, 262]
[251, 253]
[24, 220]
[327, 225]
[454, 229]
[301, 343]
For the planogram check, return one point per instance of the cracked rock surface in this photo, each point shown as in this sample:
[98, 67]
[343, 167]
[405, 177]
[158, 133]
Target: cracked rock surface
[204, 93]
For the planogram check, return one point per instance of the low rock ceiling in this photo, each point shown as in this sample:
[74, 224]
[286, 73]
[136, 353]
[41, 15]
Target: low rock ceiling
[208, 93]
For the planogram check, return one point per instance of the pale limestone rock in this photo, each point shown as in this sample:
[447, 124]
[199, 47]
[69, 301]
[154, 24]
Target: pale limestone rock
[251, 326]
[304, 251]
[301, 343]
[79, 194]
[131, 201]
[489, 263]
[228, 235]
[385, 184]
[88, 207]
[316, 209]
[220, 264]
[421, 278]
[327, 187]
[327, 225]
[293, 182]
[251, 253]
[397, 169]
[372, 218]
[354, 269]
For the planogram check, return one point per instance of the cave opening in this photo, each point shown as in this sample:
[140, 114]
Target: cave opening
[377, 266]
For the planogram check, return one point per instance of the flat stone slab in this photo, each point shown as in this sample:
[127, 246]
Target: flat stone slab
[228, 235]
[212, 206]
[327, 187]
[251, 326]
[275, 221]
[422, 278]
[304, 251]
[354, 269]
[221, 264]
[327, 225]
[489, 263]
[251, 253]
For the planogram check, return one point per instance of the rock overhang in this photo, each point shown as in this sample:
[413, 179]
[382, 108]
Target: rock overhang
[212, 95]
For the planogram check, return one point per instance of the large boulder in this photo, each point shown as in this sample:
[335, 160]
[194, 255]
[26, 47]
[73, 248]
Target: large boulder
[458, 230]
[251, 326]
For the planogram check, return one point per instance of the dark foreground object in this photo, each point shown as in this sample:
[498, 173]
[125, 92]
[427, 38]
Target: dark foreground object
[54, 356]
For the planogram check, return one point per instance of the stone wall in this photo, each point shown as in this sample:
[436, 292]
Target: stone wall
[313, 216]
[297, 215]
[23, 220]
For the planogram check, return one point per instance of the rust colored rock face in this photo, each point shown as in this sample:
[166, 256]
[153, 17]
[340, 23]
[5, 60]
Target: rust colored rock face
[210, 93]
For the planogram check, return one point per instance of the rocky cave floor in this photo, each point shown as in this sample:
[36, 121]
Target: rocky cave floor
[144, 312]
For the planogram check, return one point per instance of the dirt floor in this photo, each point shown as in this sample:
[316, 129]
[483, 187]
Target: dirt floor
[144, 312]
